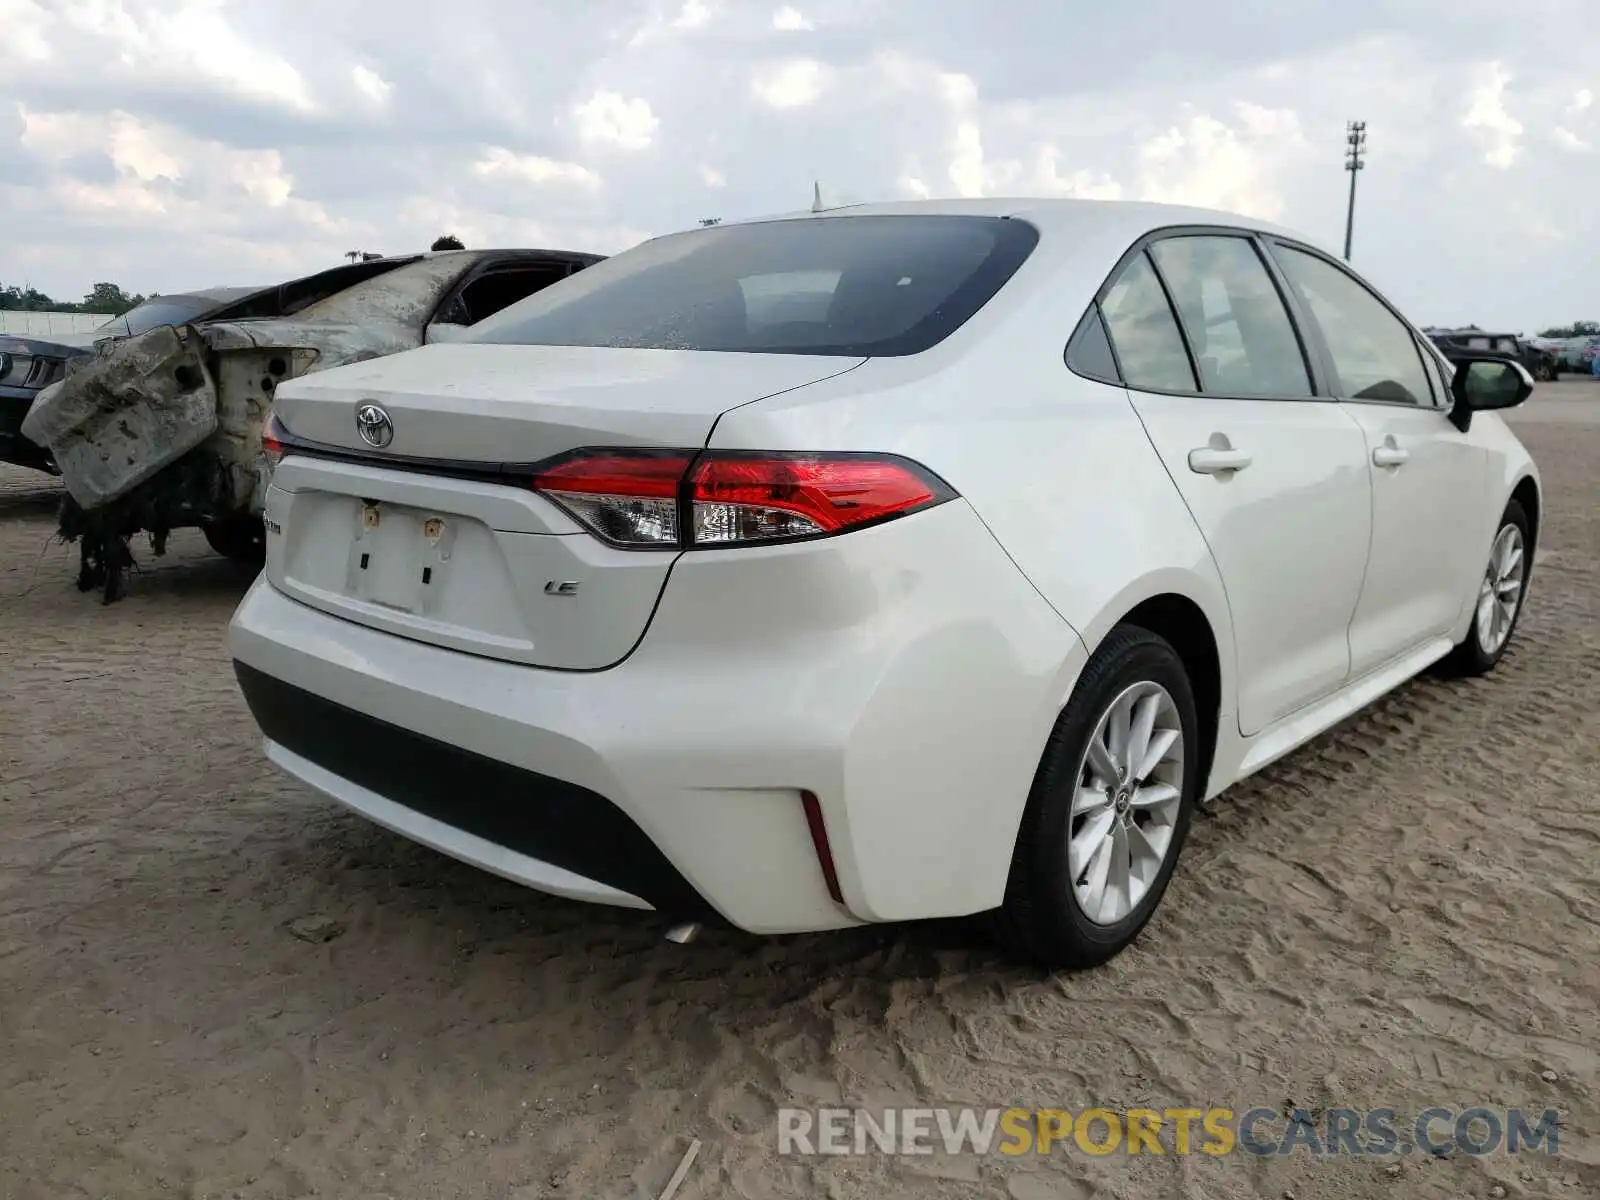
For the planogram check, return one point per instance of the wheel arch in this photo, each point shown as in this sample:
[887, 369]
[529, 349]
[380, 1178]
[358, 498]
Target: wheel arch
[1183, 624]
[1526, 494]
[1190, 612]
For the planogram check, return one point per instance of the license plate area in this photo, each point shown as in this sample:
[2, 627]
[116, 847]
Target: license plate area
[400, 557]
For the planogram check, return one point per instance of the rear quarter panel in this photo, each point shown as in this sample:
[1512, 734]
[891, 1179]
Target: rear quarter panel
[1058, 467]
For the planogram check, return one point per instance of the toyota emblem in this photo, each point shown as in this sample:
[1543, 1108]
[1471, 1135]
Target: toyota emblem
[374, 426]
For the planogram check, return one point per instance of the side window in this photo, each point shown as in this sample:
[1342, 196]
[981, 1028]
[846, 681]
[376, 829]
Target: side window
[1239, 330]
[1142, 328]
[1374, 356]
[1089, 351]
[487, 294]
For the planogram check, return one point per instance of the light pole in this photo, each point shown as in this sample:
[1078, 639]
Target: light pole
[1355, 149]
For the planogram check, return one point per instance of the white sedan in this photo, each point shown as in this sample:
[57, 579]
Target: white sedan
[889, 562]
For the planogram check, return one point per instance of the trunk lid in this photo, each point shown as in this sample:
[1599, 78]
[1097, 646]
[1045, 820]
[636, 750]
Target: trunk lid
[484, 566]
[521, 404]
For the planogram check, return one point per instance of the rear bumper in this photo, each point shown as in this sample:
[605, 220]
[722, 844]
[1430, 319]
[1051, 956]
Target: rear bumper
[912, 688]
[515, 822]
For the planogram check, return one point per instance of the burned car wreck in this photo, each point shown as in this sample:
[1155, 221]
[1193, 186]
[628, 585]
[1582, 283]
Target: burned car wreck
[161, 430]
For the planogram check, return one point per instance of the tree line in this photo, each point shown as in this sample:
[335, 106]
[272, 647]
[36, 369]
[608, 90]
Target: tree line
[105, 298]
[1576, 329]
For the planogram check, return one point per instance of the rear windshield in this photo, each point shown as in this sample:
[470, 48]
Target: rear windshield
[167, 310]
[289, 298]
[861, 285]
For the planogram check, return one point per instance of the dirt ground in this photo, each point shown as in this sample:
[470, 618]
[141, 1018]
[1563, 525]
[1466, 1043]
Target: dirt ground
[1404, 914]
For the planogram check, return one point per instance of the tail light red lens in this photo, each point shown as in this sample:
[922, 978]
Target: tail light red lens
[272, 435]
[626, 499]
[674, 500]
[759, 498]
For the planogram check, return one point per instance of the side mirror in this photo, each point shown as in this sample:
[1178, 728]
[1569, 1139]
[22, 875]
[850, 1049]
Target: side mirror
[1484, 384]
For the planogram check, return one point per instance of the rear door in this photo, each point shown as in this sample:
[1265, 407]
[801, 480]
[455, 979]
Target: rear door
[1273, 472]
[1428, 478]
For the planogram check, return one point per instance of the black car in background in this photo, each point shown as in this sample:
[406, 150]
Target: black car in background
[1475, 342]
[28, 365]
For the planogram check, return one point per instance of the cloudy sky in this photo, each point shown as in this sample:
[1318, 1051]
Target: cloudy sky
[165, 144]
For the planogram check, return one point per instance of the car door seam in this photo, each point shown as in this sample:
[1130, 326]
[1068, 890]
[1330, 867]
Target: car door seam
[717, 420]
[1368, 467]
[973, 509]
[1199, 530]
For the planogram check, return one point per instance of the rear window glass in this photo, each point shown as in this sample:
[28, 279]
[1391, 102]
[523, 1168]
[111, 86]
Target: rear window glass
[169, 310]
[862, 285]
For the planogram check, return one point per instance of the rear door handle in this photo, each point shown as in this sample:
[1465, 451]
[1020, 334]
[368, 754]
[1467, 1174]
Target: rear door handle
[1389, 456]
[1209, 460]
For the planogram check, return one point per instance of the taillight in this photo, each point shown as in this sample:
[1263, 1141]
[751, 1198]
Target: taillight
[272, 435]
[748, 498]
[627, 499]
[680, 499]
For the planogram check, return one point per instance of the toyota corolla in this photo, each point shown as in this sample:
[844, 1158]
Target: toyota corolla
[881, 563]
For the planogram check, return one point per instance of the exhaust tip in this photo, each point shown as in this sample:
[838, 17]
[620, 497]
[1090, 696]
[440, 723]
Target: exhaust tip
[684, 934]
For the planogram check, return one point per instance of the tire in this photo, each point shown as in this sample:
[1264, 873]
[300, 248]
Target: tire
[1486, 640]
[240, 539]
[1046, 914]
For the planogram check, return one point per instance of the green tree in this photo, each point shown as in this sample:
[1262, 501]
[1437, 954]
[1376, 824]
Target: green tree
[110, 299]
[27, 299]
[105, 298]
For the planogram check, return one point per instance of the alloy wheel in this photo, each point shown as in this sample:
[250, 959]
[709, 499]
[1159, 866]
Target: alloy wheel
[1128, 793]
[1501, 590]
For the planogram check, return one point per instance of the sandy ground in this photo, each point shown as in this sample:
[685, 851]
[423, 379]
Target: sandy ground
[1404, 914]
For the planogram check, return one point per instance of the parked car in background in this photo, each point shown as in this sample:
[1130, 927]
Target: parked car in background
[1580, 353]
[28, 365]
[893, 562]
[1542, 364]
[161, 428]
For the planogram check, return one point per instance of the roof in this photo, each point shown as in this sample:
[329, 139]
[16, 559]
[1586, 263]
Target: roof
[1127, 219]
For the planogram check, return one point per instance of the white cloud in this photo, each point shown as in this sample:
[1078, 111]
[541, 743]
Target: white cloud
[142, 151]
[610, 118]
[1568, 140]
[791, 20]
[915, 188]
[1498, 131]
[23, 26]
[149, 160]
[1204, 161]
[262, 176]
[371, 85]
[1581, 100]
[499, 163]
[194, 37]
[692, 15]
[712, 177]
[794, 84]
[1084, 183]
